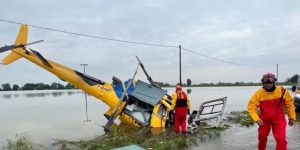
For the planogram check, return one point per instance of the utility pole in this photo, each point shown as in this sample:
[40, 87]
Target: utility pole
[180, 83]
[85, 95]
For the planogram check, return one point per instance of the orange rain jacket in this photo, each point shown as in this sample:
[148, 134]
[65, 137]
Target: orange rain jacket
[174, 99]
[263, 95]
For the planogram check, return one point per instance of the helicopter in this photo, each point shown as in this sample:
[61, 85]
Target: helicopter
[134, 102]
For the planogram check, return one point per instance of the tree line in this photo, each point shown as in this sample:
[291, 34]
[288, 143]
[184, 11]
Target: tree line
[56, 86]
[289, 81]
[36, 86]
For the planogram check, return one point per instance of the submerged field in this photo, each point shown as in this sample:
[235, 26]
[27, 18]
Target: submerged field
[38, 120]
[155, 139]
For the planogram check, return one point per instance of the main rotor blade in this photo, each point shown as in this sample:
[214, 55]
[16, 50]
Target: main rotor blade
[7, 48]
[148, 76]
[39, 41]
[11, 47]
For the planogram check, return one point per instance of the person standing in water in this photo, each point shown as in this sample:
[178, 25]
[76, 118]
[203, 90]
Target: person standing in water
[271, 100]
[181, 105]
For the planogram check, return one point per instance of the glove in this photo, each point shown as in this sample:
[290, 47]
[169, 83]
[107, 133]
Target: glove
[291, 122]
[188, 111]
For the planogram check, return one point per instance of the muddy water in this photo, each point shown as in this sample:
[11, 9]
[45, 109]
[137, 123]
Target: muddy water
[243, 138]
[237, 137]
[46, 115]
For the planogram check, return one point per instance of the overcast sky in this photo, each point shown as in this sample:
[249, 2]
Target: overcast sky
[255, 34]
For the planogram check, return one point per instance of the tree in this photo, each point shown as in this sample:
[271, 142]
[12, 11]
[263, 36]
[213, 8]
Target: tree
[56, 86]
[293, 79]
[28, 86]
[189, 82]
[46, 86]
[16, 87]
[41, 86]
[6, 87]
[69, 86]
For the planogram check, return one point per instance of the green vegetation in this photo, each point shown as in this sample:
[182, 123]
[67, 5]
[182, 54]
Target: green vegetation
[293, 79]
[21, 144]
[151, 139]
[56, 86]
[42, 86]
[36, 86]
[289, 81]
[126, 135]
[241, 117]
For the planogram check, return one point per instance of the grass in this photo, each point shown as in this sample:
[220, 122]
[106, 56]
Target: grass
[126, 135]
[165, 139]
[20, 144]
[150, 139]
[241, 117]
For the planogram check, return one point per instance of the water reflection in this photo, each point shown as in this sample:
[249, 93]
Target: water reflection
[55, 94]
[71, 93]
[31, 95]
[156, 131]
[7, 96]
[189, 91]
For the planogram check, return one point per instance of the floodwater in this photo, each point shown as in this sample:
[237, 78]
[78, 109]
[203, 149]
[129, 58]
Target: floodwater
[42, 116]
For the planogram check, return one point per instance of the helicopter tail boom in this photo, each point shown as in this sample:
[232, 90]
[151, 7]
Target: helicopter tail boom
[20, 42]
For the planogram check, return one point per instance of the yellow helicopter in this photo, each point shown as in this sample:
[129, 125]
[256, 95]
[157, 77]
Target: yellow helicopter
[136, 103]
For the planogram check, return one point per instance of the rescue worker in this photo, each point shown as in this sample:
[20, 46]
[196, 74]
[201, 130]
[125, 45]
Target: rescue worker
[181, 103]
[270, 100]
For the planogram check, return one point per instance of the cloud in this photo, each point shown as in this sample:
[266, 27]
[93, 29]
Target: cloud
[254, 33]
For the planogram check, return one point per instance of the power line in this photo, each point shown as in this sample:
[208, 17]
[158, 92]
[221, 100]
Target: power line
[139, 43]
[221, 60]
[91, 36]
[287, 69]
